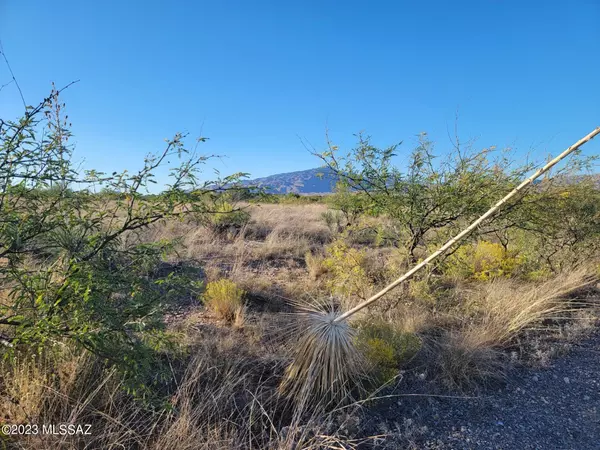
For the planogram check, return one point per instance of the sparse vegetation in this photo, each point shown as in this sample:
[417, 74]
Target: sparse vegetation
[162, 319]
[225, 299]
[386, 348]
[227, 219]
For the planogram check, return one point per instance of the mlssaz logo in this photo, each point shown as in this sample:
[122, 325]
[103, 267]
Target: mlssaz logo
[64, 429]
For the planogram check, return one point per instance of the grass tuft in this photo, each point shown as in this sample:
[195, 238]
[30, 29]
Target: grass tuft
[224, 298]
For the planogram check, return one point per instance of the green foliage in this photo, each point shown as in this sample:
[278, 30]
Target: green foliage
[433, 199]
[346, 266]
[386, 348]
[71, 266]
[334, 221]
[224, 298]
[227, 218]
[381, 356]
[427, 197]
[482, 261]
[422, 289]
[559, 224]
[352, 205]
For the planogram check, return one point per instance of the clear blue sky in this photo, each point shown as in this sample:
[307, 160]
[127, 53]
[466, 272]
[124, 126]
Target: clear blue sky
[253, 76]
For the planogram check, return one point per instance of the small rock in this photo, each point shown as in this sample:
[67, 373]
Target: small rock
[535, 378]
[566, 379]
[586, 397]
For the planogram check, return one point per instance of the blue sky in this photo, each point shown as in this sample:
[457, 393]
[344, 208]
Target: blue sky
[256, 76]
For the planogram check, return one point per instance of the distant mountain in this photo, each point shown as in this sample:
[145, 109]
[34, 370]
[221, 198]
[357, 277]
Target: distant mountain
[323, 180]
[311, 181]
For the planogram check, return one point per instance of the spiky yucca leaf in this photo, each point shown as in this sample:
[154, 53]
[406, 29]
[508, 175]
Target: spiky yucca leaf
[327, 366]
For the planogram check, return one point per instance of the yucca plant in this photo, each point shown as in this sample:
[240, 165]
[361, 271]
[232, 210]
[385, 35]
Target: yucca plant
[326, 359]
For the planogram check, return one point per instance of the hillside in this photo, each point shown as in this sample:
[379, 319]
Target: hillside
[311, 181]
[322, 181]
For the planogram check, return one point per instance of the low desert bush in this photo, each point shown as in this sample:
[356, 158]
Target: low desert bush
[224, 298]
[334, 220]
[483, 261]
[315, 265]
[346, 266]
[386, 348]
[228, 219]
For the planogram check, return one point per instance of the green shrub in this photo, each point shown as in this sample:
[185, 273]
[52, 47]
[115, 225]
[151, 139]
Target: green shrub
[74, 268]
[483, 261]
[346, 267]
[224, 298]
[227, 218]
[386, 348]
[334, 220]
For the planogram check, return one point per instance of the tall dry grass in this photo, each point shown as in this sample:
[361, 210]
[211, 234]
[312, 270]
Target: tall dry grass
[495, 317]
[224, 398]
[226, 394]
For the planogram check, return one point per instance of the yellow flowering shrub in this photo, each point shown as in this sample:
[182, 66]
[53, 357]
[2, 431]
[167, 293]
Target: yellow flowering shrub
[346, 266]
[483, 261]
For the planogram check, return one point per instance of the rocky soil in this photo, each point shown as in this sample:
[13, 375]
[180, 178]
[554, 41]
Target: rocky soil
[557, 407]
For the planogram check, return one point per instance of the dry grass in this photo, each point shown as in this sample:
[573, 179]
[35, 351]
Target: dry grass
[498, 314]
[506, 307]
[278, 258]
[315, 266]
[292, 220]
[227, 395]
[464, 359]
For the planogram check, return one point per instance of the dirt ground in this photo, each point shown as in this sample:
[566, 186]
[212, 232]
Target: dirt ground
[557, 407]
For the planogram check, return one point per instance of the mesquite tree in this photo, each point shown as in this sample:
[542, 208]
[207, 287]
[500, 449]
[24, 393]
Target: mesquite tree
[68, 267]
[432, 196]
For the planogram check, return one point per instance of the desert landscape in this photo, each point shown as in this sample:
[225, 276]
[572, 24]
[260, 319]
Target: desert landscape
[186, 319]
[299, 225]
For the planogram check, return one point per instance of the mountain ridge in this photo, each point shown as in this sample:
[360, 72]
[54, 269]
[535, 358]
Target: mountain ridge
[319, 180]
[322, 180]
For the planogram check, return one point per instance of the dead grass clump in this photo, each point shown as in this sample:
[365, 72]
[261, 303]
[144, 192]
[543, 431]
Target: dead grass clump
[224, 298]
[62, 385]
[464, 360]
[497, 315]
[218, 403]
[506, 308]
[314, 264]
[223, 397]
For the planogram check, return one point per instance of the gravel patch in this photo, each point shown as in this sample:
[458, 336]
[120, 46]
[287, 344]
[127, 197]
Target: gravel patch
[553, 408]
